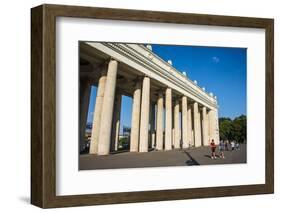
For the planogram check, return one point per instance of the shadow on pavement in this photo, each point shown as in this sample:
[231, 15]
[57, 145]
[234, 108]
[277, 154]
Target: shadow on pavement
[192, 161]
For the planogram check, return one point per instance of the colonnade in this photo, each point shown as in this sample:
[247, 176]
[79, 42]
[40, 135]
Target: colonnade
[171, 122]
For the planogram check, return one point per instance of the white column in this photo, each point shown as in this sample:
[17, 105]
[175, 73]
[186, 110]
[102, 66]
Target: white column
[214, 125]
[197, 125]
[208, 126]
[217, 132]
[180, 127]
[134, 143]
[116, 122]
[143, 145]
[190, 137]
[173, 137]
[176, 125]
[168, 119]
[152, 125]
[211, 126]
[184, 134]
[205, 126]
[159, 123]
[107, 109]
[97, 114]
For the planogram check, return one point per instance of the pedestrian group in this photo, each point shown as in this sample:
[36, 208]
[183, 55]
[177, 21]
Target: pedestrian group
[223, 146]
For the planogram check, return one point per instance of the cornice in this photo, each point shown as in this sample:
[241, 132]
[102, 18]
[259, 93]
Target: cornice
[162, 68]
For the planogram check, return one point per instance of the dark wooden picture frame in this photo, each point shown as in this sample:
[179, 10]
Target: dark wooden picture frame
[43, 105]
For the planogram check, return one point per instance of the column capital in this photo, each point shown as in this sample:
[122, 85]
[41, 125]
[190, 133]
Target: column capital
[168, 88]
[142, 77]
[108, 60]
[204, 109]
[113, 59]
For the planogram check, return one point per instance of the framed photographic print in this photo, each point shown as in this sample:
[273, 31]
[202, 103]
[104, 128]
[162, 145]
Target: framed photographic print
[136, 106]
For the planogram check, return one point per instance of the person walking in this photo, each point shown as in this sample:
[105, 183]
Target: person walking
[226, 145]
[232, 143]
[213, 149]
[221, 149]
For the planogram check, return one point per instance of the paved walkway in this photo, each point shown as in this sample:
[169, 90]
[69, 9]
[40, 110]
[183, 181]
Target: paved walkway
[181, 157]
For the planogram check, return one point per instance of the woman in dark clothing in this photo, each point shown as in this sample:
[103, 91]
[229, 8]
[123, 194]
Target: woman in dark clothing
[213, 149]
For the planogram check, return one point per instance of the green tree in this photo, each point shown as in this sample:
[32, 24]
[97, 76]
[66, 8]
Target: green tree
[225, 126]
[235, 129]
[240, 128]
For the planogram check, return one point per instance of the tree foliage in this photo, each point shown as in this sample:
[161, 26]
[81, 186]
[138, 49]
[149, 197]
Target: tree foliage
[235, 129]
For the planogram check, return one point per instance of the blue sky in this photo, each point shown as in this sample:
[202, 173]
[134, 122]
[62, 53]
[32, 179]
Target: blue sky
[220, 70]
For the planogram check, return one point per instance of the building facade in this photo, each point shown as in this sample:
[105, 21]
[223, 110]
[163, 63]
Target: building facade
[169, 110]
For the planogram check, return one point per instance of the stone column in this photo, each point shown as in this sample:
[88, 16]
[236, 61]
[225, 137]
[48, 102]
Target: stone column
[205, 126]
[134, 141]
[159, 124]
[173, 137]
[197, 125]
[184, 134]
[208, 126]
[107, 109]
[200, 127]
[152, 125]
[168, 119]
[176, 125]
[180, 127]
[116, 122]
[85, 91]
[97, 114]
[214, 126]
[190, 137]
[143, 145]
[211, 126]
[217, 132]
